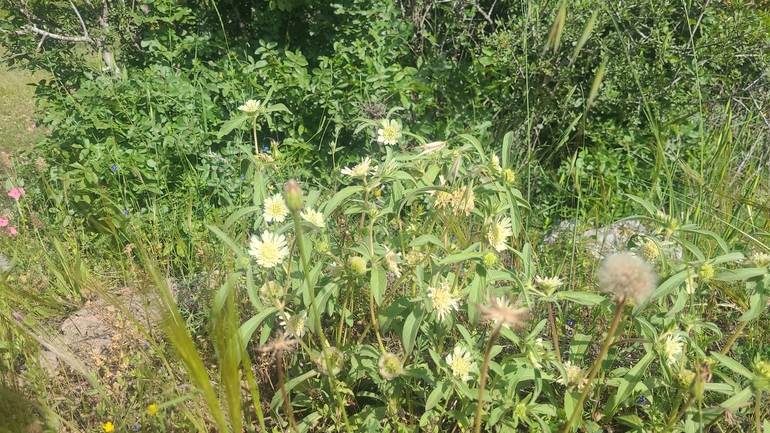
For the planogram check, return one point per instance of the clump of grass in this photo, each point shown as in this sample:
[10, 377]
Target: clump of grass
[18, 128]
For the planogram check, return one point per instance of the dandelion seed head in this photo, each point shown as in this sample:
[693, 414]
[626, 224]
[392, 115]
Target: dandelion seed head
[628, 277]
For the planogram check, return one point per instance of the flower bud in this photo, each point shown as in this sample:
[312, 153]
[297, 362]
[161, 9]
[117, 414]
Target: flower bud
[293, 195]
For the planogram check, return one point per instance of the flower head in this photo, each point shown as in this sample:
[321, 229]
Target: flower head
[627, 276]
[16, 193]
[390, 366]
[4, 221]
[391, 261]
[461, 363]
[575, 376]
[494, 164]
[414, 257]
[759, 258]
[390, 132]
[313, 217]
[357, 265]
[275, 208]
[152, 409]
[331, 357]
[706, 271]
[501, 310]
[650, 250]
[114, 168]
[362, 170]
[672, 348]
[548, 284]
[270, 250]
[498, 233]
[294, 324]
[251, 106]
[463, 200]
[444, 299]
[271, 292]
[108, 426]
[509, 176]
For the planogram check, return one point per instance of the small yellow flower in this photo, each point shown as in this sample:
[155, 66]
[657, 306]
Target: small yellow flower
[444, 299]
[509, 176]
[706, 271]
[461, 363]
[251, 106]
[650, 250]
[275, 209]
[390, 132]
[108, 427]
[313, 217]
[152, 409]
[357, 265]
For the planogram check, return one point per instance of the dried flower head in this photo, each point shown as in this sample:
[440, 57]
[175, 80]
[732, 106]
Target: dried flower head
[330, 357]
[463, 200]
[501, 310]
[40, 163]
[390, 366]
[627, 276]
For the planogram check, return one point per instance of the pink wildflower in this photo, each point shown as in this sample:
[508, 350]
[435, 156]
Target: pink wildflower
[12, 231]
[16, 193]
[3, 221]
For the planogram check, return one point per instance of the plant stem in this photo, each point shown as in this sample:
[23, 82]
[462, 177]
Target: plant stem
[757, 417]
[554, 332]
[597, 364]
[483, 377]
[734, 337]
[286, 403]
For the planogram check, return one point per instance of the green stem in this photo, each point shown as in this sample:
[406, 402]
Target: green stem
[734, 337]
[597, 364]
[757, 415]
[324, 343]
[554, 332]
[484, 371]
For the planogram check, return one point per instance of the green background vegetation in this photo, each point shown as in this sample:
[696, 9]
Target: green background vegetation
[662, 100]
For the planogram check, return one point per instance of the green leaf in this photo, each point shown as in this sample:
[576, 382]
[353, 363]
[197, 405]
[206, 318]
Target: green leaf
[437, 395]
[739, 274]
[581, 298]
[240, 213]
[758, 299]
[378, 283]
[460, 257]
[627, 385]
[226, 239]
[507, 145]
[235, 122]
[337, 199]
[411, 327]
[670, 284]
[732, 365]
[251, 325]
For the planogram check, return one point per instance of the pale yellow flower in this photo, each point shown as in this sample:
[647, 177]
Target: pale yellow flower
[275, 209]
[390, 132]
[498, 233]
[313, 217]
[461, 363]
[444, 299]
[357, 265]
[251, 106]
[270, 250]
[295, 324]
[391, 261]
[575, 376]
[463, 200]
[650, 250]
[548, 284]
[361, 170]
[672, 349]
[494, 164]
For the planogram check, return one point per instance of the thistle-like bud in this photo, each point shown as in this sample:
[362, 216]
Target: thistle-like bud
[293, 195]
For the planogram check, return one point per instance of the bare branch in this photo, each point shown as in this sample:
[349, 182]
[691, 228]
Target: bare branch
[82, 23]
[13, 57]
[34, 29]
[484, 14]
